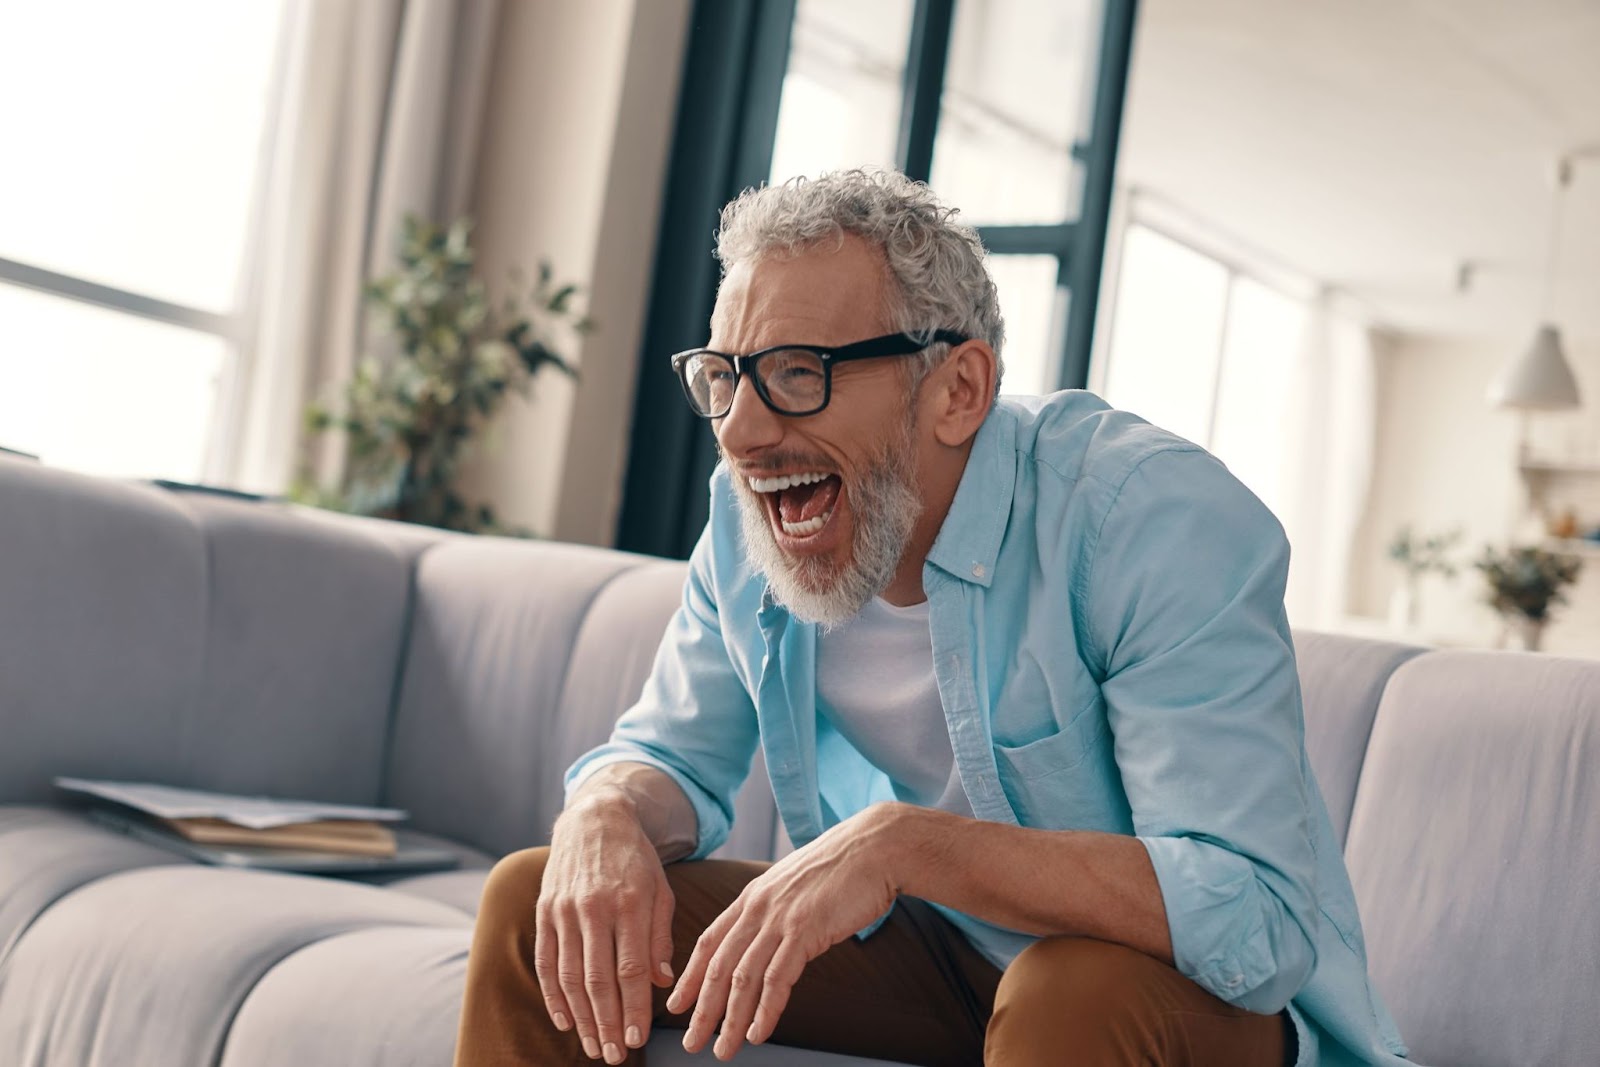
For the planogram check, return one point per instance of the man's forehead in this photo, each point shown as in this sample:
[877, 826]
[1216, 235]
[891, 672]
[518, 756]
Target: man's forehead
[829, 293]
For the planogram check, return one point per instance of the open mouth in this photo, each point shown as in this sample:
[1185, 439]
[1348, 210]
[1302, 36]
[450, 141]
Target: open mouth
[801, 504]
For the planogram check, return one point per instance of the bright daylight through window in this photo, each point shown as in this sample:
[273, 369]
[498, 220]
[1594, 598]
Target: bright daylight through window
[1208, 353]
[125, 237]
[1015, 83]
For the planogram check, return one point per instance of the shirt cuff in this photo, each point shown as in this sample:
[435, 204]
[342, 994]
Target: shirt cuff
[712, 823]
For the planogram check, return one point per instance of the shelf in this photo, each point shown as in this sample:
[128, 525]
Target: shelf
[1558, 467]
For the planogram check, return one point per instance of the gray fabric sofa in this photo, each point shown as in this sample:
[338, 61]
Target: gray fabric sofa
[154, 635]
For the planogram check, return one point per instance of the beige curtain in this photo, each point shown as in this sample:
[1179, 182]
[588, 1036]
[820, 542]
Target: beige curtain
[1332, 405]
[380, 113]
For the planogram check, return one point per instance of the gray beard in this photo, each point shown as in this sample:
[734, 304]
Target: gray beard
[885, 504]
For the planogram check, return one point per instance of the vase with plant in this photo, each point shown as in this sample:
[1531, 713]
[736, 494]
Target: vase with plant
[1417, 557]
[451, 356]
[1524, 584]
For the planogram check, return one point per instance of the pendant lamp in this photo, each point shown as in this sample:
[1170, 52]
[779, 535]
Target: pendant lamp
[1540, 378]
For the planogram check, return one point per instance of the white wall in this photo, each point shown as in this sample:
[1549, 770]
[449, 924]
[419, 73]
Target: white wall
[1446, 459]
[581, 108]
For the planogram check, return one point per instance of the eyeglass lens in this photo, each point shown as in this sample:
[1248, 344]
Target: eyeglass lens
[793, 379]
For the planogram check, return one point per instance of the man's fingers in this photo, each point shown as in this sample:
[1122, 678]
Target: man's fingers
[546, 948]
[661, 935]
[633, 974]
[781, 975]
[600, 982]
[688, 987]
[569, 976]
[713, 996]
[744, 992]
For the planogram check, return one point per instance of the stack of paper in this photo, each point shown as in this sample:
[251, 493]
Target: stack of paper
[225, 819]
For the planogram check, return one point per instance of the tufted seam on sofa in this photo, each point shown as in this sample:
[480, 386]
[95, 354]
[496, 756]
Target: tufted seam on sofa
[1372, 728]
[255, 981]
[397, 682]
[22, 931]
[634, 566]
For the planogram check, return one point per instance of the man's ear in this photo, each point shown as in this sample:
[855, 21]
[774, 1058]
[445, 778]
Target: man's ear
[963, 392]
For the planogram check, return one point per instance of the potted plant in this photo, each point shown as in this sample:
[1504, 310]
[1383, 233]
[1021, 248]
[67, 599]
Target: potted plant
[1416, 557]
[1524, 584]
[411, 414]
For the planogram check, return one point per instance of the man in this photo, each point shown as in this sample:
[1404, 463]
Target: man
[1026, 692]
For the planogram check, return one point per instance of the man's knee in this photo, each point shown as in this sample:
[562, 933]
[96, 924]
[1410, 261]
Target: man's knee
[1076, 995]
[512, 888]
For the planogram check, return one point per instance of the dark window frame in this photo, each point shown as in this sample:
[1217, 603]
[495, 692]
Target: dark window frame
[736, 57]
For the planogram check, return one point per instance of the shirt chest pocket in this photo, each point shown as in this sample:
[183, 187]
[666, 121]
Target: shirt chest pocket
[1067, 780]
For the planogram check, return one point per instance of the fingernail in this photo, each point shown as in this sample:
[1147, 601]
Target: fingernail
[591, 1048]
[613, 1054]
[672, 1003]
[688, 1045]
[751, 1036]
[666, 968]
[632, 1037]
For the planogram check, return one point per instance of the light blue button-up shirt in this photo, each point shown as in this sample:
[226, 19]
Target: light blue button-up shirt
[1112, 654]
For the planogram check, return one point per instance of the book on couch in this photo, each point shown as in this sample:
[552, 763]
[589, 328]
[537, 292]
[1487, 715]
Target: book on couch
[257, 832]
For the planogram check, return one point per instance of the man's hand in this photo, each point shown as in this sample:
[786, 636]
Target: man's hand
[747, 961]
[603, 927]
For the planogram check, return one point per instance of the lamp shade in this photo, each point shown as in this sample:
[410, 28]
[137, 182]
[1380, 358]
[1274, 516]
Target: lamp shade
[1539, 379]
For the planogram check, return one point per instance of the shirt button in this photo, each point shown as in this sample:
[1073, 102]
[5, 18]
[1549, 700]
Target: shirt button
[1236, 981]
[977, 570]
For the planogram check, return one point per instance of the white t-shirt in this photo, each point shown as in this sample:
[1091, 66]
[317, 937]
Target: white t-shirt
[877, 687]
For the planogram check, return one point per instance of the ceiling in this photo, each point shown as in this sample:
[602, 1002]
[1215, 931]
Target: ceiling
[1374, 145]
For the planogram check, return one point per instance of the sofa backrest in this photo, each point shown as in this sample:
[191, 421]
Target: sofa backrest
[520, 658]
[1474, 849]
[1341, 682]
[218, 644]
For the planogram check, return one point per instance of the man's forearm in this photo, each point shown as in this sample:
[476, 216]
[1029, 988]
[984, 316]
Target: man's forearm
[1042, 882]
[648, 795]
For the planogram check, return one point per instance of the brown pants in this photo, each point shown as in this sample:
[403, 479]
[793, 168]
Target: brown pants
[914, 992]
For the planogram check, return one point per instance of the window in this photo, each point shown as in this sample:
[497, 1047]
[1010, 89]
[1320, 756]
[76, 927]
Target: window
[1209, 353]
[1012, 108]
[124, 238]
[1010, 118]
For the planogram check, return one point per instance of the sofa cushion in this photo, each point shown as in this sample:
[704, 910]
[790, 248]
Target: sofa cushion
[459, 889]
[384, 996]
[1474, 850]
[475, 739]
[149, 966]
[1341, 681]
[303, 638]
[46, 854]
[149, 635]
[102, 629]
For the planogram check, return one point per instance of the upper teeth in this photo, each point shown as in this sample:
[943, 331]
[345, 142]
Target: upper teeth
[784, 481]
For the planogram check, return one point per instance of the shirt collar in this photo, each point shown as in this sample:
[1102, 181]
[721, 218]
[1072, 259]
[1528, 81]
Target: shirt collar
[969, 539]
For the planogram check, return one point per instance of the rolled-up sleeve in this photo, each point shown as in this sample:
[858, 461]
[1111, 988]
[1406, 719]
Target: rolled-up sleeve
[694, 720]
[1185, 615]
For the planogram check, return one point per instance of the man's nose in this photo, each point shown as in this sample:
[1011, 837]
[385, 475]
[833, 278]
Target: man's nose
[749, 426]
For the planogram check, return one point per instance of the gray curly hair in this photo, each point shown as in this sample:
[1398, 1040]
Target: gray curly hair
[936, 263]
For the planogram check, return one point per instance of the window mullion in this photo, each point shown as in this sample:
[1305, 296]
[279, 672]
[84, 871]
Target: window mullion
[931, 25]
[1049, 240]
[84, 291]
[1099, 156]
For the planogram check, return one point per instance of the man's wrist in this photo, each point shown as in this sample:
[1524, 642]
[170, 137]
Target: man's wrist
[646, 799]
[601, 801]
[902, 831]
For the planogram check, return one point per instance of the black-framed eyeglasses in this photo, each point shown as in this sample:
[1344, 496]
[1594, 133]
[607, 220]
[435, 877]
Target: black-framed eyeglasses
[790, 379]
